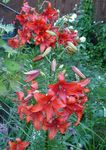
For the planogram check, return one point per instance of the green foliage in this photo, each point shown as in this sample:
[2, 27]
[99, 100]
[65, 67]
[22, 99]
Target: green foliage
[5, 28]
[5, 1]
[95, 33]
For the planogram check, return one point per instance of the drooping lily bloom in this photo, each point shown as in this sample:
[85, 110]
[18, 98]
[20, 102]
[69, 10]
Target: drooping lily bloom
[23, 101]
[77, 109]
[22, 104]
[30, 92]
[34, 86]
[36, 117]
[31, 75]
[18, 144]
[20, 96]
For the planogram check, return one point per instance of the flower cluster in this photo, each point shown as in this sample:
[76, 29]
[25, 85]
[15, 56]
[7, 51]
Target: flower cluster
[39, 29]
[51, 111]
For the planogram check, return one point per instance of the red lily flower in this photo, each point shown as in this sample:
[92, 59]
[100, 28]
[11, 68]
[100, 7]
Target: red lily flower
[21, 109]
[63, 89]
[48, 41]
[60, 89]
[42, 37]
[67, 36]
[48, 104]
[23, 101]
[50, 13]
[14, 42]
[52, 110]
[73, 96]
[55, 126]
[37, 119]
[78, 110]
[39, 27]
[24, 36]
[20, 96]
[18, 145]
[23, 18]
[22, 104]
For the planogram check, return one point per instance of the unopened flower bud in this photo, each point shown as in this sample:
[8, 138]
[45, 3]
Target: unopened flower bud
[53, 65]
[42, 73]
[71, 48]
[64, 71]
[37, 58]
[61, 66]
[47, 51]
[31, 75]
[78, 72]
[51, 32]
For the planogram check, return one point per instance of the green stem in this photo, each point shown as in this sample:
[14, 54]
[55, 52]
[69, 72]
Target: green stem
[46, 141]
[11, 9]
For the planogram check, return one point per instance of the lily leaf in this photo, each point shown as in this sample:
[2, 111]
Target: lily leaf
[3, 90]
[12, 66]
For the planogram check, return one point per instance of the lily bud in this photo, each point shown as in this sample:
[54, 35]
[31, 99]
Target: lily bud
[31, 75]
[61, 66]
[47, 51]
[53, 65]
[51, 32]
[78, 72]
[37, 58]
[71, 48]
[27, 98]
[64, 71]
[42, 73]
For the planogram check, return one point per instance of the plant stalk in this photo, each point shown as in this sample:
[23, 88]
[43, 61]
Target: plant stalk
[46, 141]
[9, 8]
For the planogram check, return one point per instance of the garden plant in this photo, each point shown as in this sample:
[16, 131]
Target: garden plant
[52, 84]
